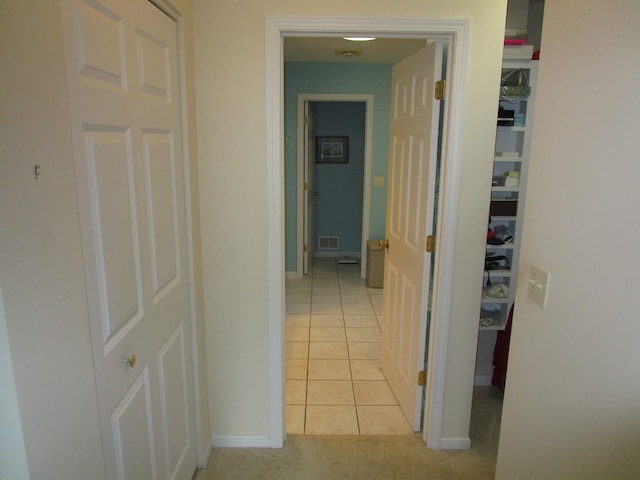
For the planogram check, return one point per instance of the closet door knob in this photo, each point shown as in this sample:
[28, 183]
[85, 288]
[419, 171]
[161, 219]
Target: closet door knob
[131, 361]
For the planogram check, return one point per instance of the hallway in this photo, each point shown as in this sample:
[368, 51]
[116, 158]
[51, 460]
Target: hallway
[333, 333]
[381, 457]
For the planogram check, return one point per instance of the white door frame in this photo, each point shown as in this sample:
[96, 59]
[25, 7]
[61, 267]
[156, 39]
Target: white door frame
[456, 31]
[366, 191]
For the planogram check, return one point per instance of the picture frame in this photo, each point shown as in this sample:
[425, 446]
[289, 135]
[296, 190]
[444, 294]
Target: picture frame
[333, 149]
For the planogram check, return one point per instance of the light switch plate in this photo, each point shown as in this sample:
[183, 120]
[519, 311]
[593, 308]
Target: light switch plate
[378, 181]
[538, 288]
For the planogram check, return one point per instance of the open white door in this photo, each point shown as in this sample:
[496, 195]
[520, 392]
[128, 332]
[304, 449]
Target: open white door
[412, 162]
[122, 62]
[309, 187]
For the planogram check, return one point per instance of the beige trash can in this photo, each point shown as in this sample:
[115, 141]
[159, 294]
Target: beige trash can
[375, 264]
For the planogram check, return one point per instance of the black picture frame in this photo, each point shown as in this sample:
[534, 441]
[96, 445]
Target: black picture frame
[332, 149]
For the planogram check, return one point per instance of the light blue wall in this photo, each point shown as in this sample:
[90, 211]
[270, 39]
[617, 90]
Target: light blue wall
[338, 208]
[362, 78]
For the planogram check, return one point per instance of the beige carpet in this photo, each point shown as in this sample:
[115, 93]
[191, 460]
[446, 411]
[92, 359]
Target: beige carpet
[368, 457]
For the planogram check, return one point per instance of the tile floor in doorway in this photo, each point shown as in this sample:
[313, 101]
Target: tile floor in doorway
[333, 331]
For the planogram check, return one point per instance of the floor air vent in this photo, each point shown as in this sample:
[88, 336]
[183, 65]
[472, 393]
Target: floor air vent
[328, 243]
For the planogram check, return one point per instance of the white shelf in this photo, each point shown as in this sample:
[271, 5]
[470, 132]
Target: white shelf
[491, 300]
[493, 327]
[499, 273]
[504, 246]
[515, 142]
[505, 189]
[507, 159]
[512, 129]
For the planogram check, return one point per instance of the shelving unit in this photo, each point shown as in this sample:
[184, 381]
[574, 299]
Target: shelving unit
[508, 193]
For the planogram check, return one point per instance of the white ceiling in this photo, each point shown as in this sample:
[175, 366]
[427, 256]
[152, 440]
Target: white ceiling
[322, 49]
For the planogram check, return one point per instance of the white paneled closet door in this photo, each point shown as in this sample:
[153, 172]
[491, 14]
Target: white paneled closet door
[122, 63]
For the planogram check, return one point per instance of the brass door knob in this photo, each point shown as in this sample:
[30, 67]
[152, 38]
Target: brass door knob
[384, 244]
[131, 361]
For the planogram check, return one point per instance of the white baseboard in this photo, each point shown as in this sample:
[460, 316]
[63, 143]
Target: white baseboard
[482, 381]
[235, 441]
[291, 275]
[455, 443]
[333, 254]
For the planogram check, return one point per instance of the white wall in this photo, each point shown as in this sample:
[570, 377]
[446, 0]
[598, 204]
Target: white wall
[572, 402]
[40, 255]
[230, 83]
[41, 269]
[484, 356]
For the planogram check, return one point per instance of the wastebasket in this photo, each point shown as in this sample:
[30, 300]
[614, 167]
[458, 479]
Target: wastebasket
[375, 264]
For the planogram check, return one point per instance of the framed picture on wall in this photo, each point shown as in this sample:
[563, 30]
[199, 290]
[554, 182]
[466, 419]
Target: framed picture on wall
[332, 149]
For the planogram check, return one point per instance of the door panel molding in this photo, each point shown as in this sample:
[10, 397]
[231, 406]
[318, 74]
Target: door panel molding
[174, 402]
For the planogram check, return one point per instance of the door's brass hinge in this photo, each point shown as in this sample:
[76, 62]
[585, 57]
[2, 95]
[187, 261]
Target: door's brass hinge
[306, 186]
[431, 244]
[306, 121]
[305, 248]
[440, 90]
[422, 378]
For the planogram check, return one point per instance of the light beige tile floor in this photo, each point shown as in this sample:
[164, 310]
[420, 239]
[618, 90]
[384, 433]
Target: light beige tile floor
[333, 332]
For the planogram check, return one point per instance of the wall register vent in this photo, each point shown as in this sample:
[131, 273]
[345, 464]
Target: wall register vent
[328, 243]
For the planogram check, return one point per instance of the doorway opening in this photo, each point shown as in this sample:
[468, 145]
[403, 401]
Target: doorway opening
[338, 139]
[353, 177]
[333, 320]
[456, 33]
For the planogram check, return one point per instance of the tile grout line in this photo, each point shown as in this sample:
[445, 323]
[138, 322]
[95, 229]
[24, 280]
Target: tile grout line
[306, 393]
[353, 387]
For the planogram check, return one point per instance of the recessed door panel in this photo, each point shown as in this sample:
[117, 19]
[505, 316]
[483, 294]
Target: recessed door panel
[162, 211]
[113, 211]
[415, 188]
[406, 355]
[395, 194]
[421, 93]
[173, 384]
[401, 98]
[133, 436]
[153, 62]
[100, 44]
[391, 309]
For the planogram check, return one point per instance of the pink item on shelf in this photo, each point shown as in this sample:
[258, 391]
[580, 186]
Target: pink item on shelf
[515, 41]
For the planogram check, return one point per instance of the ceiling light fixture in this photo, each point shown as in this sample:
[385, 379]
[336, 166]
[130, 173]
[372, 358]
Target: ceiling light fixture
[359, 39]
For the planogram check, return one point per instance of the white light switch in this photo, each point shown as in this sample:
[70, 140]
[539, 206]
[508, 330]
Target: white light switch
[378, 181]
[538, 288]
